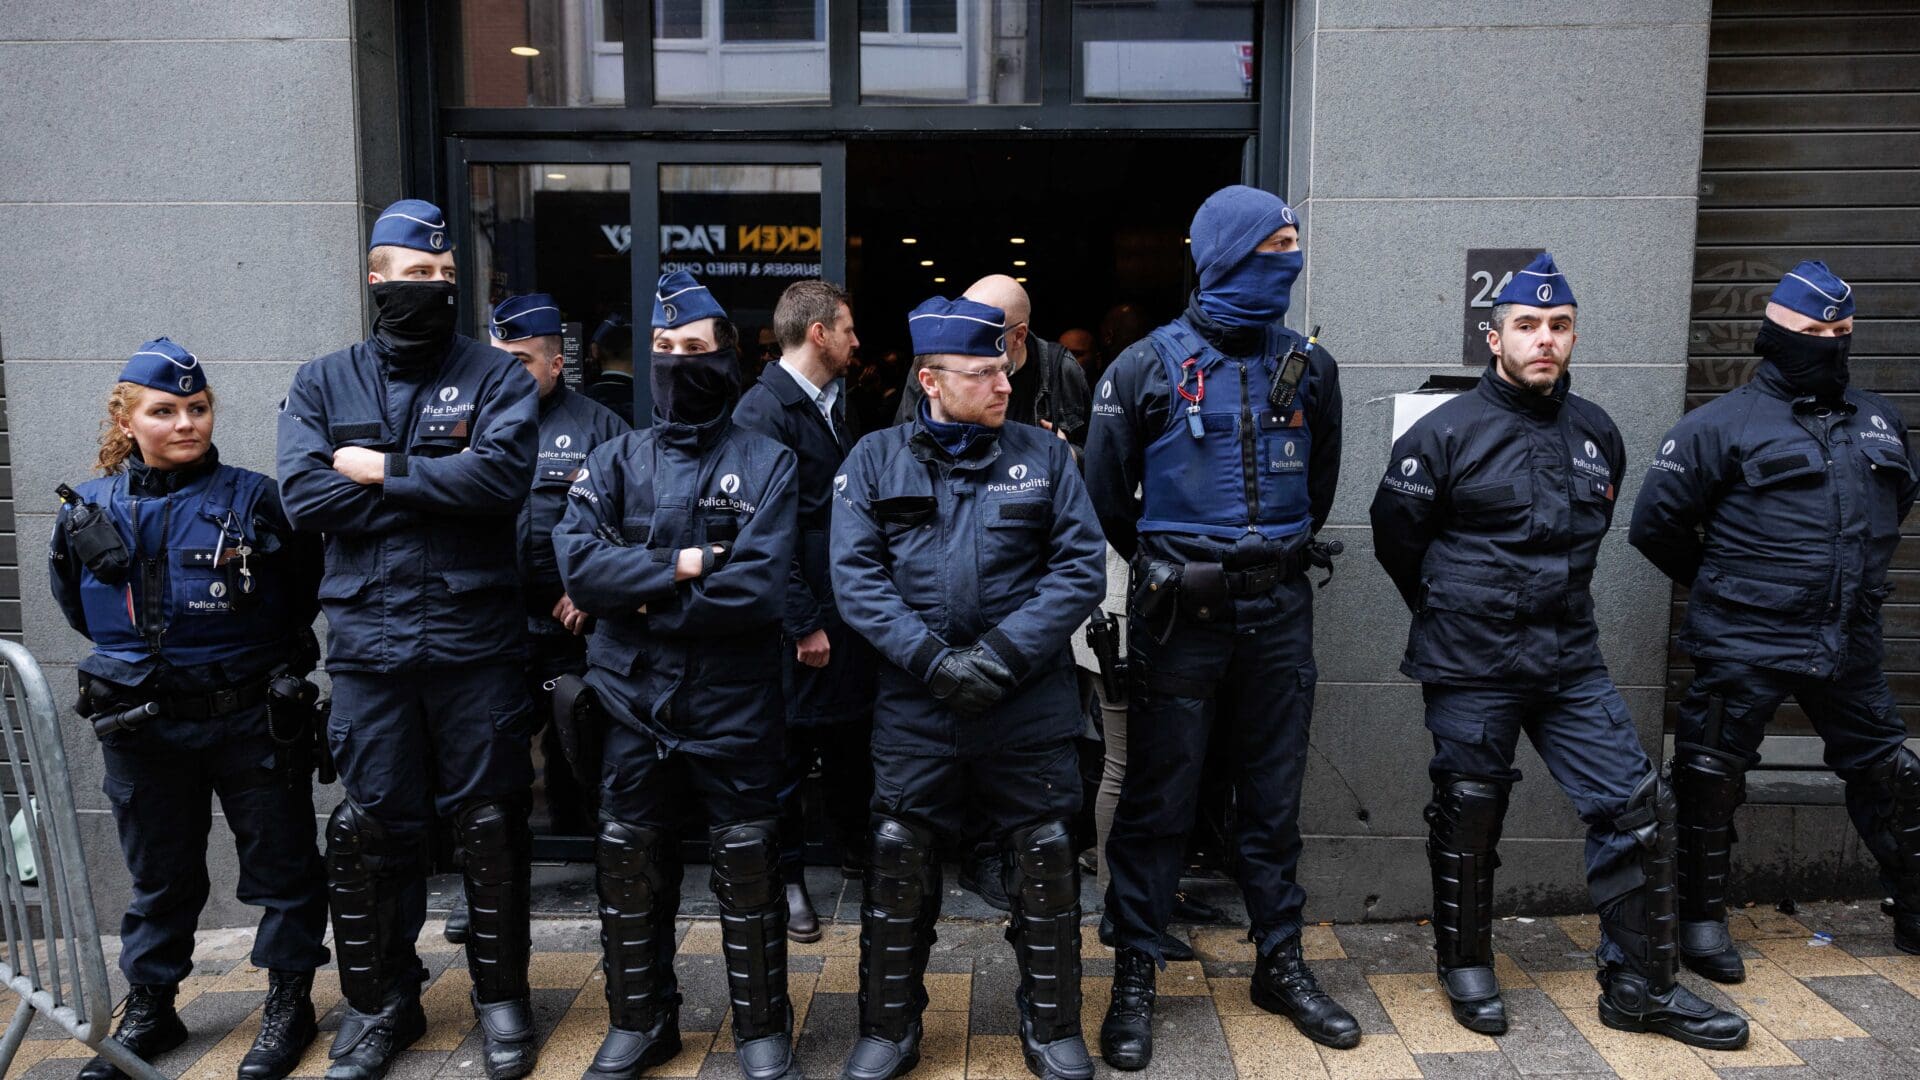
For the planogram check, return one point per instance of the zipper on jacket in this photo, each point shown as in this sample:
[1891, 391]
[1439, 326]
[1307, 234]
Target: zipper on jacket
[1249, 459]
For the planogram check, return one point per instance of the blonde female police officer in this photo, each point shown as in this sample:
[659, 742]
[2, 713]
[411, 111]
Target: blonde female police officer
[196, 594]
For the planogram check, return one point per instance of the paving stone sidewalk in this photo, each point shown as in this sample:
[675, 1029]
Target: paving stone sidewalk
[1827, 994]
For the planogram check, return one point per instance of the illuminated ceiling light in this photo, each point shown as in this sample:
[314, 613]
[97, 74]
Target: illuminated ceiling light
[1016, 240]
[1019, 262]
[908, 240]
[1188, 240]
[556, 176]
[926, 262]
[1021, 280]
[524, 50]
[939, 281]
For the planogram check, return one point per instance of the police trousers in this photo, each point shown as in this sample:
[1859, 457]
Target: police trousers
[162, 801]
[1583, 733]
[1853, 713]
[1253, 686]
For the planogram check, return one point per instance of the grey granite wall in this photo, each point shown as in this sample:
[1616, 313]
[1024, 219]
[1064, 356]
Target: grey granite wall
[201, 170]
[1419, 131]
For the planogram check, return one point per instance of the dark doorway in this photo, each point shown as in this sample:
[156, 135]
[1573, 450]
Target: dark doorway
[1102, 222]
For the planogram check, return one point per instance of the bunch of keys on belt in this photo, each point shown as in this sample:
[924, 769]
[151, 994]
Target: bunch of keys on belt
[1191, 368]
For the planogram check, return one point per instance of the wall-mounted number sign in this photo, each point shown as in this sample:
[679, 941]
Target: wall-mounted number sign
[1488, 271]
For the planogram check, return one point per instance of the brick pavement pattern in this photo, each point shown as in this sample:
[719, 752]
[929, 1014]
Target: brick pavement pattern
[1827, 995]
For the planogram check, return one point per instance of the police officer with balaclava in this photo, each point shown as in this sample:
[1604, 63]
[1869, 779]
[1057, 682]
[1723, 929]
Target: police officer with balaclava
[199, 600]
[1227, 425]
[965, 549]
[1779, 505]
[1489, 520]
[678, 539]
[412, 452]
[528, 328]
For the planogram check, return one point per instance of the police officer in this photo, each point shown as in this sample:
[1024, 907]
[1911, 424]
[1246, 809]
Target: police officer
[827, 669]
[1780, 506]
[678, 539]
[199, 600]
[528, 328]
[1489, 519]
[412, 451]
[1228, 425]
[612, 351]
[965, 549]
[1049, 387]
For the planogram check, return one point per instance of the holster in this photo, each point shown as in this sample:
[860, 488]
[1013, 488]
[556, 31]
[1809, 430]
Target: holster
[580, 725]
[1156, 596]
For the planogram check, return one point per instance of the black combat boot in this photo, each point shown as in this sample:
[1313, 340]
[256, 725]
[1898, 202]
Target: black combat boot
[1126, 1035]
[287, 1027]
[803, 923]
[149, 1027]
[984, 874]
[458, 921]
[367, 1042]
[1283, 984]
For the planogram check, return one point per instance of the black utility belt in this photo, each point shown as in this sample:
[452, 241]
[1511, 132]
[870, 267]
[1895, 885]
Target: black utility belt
[206, 706]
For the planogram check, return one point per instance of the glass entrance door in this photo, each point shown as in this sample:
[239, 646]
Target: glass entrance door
[747, 220]
[593, 224]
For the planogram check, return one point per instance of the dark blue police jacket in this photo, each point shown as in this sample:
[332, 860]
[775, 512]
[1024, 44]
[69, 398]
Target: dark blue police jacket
[932, 553]
[1782, 513]
[1258, 480]
[713, 641]
[421, 569]
[571, 426]
[1489, 520]
[776, 407]
[220, 585]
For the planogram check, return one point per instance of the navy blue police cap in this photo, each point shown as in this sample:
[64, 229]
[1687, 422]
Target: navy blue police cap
[163, 365]
[961, 327]
[1541, 284]
[520, 317]
[681, 300]
[1816, 292]
[411, 223]
[613, 332]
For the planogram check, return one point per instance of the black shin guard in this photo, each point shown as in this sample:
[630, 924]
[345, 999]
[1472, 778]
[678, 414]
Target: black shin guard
[896, 927]
[1637, 905]
[1891, 787]
[368, 871]
[1045, 893]
[639, 885]
[1463, 823]
[753, 926]
[497, 846]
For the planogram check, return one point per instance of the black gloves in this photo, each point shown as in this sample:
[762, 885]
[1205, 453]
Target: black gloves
[970, 681]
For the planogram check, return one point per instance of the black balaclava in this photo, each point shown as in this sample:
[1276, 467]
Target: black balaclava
[1812, 365]
[694, 388]
[413, 320]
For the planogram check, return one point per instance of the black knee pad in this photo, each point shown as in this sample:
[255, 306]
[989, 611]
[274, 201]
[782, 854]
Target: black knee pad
[1896, 776]
[630, 855]
[1467, 812]
[494, 840]
[1046, 875]
[744, 857]
[896, 866]
[1707, 786]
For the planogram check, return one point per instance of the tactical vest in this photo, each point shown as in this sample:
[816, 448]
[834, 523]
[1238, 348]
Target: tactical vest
[1247, 470]
[200, 590]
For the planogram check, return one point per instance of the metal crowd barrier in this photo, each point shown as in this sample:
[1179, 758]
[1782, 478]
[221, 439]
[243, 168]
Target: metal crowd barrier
[52, 956]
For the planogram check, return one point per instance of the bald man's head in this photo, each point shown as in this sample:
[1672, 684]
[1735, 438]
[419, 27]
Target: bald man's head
[1004, 293]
